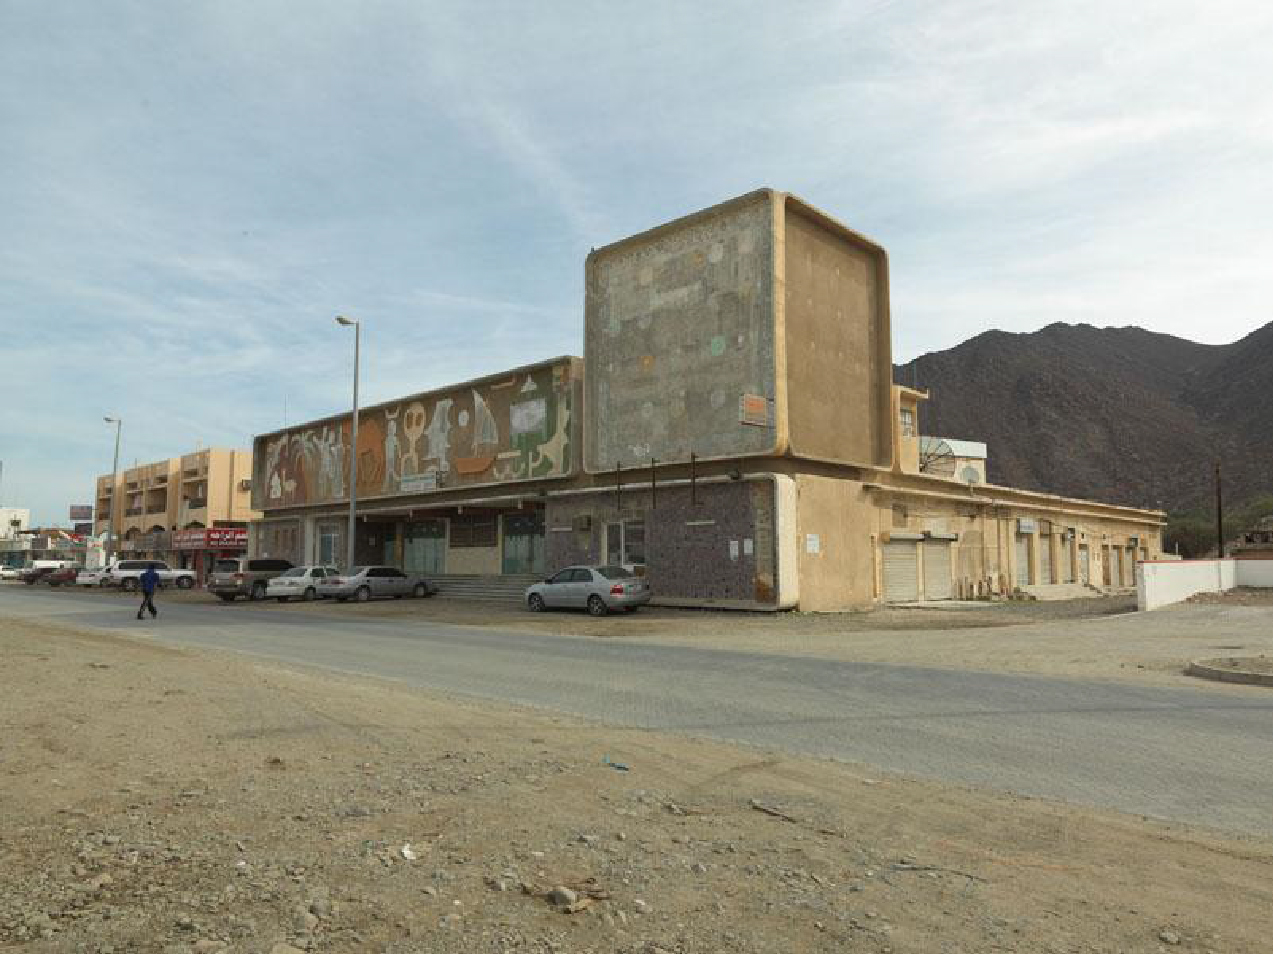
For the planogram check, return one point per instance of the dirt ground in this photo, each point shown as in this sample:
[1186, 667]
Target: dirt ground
[159, 799]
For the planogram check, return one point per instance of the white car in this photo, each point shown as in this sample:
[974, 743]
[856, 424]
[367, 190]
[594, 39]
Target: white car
[299, 583]
[125, 574]
[94, 577]
[10, 572]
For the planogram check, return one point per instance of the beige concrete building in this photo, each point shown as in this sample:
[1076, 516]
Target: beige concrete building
[733, 432]
[153, 504]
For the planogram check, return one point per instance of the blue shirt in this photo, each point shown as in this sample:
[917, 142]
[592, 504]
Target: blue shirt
[149, 580]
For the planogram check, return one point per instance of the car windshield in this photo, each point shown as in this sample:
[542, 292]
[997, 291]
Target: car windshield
[614, 572]
[227, 566]
[295, 571]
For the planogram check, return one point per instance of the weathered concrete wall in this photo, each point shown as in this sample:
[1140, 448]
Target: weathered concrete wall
[837, 342]
[836, 520]
[483, 560]
[679, 334]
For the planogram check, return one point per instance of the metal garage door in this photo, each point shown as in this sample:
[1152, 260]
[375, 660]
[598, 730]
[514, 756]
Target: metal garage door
[898, 566]
[1084, 564]
[937, 558]
[1046, 544]
[1024, 558]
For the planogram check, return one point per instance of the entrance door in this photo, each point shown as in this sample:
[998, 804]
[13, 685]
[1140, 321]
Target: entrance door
[937, 558]
[523, 551]
[1023, 560]
[1064, 561]
[625, 543]
[425, 547]
[1046, 543]
[898, 566]
[1084, 564]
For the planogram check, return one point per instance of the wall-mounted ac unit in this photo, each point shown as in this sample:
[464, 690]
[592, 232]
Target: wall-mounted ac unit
[1026, 525]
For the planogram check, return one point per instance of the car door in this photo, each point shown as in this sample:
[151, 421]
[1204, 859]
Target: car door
[396, 580]
[581, 587]
[556, 588]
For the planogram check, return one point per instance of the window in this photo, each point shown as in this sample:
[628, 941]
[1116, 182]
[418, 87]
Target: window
[626, 543]
[614, 573]
[296, 571]
[907, 421]
[581, 576]
[563, 576]
[474, 530]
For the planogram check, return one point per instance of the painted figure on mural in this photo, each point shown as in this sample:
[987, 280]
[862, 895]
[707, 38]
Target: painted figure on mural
[413, 428]
[391, 453]
[437, 435]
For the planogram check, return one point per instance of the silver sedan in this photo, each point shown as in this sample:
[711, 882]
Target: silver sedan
[599, 589]
[370, 582]
[299, 583]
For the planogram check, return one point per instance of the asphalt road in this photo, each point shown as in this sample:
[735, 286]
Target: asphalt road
[1194, 755]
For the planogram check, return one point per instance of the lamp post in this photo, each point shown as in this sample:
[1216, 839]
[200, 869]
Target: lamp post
[354, 443]
[115, 467]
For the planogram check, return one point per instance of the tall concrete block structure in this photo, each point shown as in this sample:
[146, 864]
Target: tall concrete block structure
[756, 327]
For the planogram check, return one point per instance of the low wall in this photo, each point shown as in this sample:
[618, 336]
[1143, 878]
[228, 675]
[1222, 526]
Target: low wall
[1163, 582]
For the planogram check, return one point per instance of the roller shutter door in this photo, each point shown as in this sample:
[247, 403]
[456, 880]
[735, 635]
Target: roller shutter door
[937, 556]
[1046, 545]
[1024, 560]
[898, 565]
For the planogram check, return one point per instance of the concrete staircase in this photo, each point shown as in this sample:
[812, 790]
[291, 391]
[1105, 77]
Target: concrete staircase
[1046, 592]
[465, 586]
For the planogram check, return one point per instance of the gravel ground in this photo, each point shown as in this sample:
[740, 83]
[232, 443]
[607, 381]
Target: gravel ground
[159, 799]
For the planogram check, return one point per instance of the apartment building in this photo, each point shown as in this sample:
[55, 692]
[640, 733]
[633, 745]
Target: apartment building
[167, 509]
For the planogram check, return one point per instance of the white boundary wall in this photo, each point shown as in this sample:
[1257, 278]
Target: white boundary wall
[1162, 583]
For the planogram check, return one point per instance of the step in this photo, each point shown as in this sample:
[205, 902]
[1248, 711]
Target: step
[1060, 591]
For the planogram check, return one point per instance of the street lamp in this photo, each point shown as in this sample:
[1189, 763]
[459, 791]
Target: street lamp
[354, 442]
[115, 466]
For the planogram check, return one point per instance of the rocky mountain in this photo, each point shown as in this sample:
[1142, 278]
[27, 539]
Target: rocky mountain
[1116, 414]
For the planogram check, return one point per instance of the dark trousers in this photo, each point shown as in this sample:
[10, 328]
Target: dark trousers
[148, 603]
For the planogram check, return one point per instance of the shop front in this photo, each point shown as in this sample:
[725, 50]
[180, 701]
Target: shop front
[198, 549]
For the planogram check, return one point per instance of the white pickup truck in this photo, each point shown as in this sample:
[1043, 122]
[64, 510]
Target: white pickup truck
[126, 573]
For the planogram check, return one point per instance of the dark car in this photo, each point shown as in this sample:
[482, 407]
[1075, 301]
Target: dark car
[58, 577]
[242, 576]
[35, 574]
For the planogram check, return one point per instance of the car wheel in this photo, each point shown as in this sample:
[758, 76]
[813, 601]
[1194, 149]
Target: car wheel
[226, 597]
[419, 591]
[362, 594]
[597, 607]
[258, 591]
[128, 585]
[185, 582]
[536, 603]
[309, 594]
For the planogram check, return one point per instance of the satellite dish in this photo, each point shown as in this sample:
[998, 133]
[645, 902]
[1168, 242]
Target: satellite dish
[937, 458]
[969, 474]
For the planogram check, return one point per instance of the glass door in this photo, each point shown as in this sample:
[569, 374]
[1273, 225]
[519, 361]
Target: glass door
[523, 543]
[425, 547]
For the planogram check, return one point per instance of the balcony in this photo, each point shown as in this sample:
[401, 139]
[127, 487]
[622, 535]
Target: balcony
[160, 508]
[133, 512]
[195, 503]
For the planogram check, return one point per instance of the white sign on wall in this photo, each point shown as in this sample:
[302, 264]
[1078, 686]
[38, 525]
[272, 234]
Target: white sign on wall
[812, 543]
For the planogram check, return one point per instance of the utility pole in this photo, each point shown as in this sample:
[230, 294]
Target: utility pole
[115, 466]
[1217, 479]
[354, 443]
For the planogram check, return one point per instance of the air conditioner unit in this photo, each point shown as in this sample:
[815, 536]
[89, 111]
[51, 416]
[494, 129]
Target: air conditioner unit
[582, 521]
[245, 485]
[1134, 541]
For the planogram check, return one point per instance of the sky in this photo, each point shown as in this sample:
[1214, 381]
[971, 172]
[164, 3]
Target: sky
[190, 192]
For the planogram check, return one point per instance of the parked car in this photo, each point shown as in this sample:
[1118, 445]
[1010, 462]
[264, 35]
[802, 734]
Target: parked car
[241, 576]
[58, 577]
[34, 574]
[126, 573]
[368, 582]
[299, 583]
[94, 577]
[599, 589]
[10, 572]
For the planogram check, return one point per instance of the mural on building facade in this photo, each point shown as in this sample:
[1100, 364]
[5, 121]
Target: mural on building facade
[518, 428]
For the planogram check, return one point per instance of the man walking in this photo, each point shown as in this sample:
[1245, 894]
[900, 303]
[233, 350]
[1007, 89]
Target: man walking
[149, 581]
